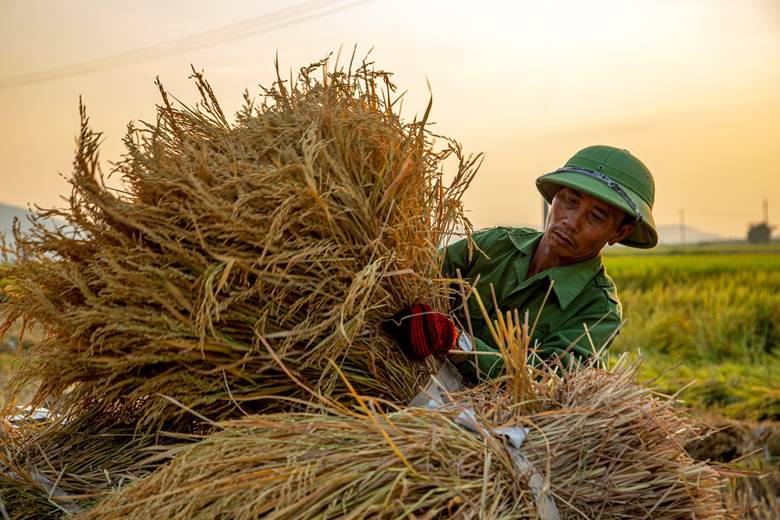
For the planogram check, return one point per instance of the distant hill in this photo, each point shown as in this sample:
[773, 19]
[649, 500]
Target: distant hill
[7, 215]
[670, 234]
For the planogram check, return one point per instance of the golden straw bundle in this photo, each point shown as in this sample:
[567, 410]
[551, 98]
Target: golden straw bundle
[601, 446]
[752, 452]
[285, 238]
[64, 466]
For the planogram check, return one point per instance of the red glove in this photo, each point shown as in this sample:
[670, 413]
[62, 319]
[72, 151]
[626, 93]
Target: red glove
[421, 331]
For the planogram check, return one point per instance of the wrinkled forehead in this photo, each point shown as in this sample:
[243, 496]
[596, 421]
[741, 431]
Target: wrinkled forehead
[591, 200]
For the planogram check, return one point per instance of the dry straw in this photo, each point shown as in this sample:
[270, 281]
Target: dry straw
[751, 452]
[284, 238]
[606, 447]
[600, 445]
[50, 469]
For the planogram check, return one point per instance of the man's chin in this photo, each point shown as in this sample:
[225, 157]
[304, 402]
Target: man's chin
[563, 254]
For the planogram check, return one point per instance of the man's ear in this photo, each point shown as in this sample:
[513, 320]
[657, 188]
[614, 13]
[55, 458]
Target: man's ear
[623, 231]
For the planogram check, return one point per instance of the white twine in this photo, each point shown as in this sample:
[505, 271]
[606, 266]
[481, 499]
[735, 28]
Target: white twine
[434, 396]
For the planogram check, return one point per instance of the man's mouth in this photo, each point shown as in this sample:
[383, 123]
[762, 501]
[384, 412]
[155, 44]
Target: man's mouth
[563, 238]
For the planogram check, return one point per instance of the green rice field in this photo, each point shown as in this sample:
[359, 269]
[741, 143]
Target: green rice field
[711, 321]
[706, 323]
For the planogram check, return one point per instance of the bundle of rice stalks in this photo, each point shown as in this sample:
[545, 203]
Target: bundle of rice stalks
[47, 470]
[751, 498]
[286, 237]
[753, 449]
[599, 446]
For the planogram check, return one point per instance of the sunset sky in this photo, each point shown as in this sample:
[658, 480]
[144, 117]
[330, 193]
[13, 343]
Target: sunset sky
[691, 87]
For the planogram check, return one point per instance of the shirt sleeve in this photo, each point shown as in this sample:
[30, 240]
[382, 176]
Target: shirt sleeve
[457, 255]
[586, 336]
[570, 343]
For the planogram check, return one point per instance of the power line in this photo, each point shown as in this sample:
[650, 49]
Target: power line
[286, 17]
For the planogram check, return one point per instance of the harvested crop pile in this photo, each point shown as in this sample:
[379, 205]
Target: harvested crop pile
[602, 447]
[48, 469]
[241, 262]
[752, 448]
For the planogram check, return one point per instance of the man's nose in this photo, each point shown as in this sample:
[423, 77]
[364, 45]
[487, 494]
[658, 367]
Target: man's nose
[574, 220]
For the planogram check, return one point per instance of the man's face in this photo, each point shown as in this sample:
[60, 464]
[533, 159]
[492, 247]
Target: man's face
[579, 226]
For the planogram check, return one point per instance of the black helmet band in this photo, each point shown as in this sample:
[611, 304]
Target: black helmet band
[614, 186]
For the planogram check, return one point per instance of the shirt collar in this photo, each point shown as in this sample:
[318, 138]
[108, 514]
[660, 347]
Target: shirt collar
[526, 242]
[568, 281]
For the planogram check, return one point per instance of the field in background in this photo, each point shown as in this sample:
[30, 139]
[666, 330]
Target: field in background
[711, 248]
[708, 319]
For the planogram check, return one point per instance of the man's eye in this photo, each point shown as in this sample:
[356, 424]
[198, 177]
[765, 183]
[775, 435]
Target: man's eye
[597, 217]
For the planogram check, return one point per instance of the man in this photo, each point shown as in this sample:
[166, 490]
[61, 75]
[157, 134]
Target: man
[602, 195]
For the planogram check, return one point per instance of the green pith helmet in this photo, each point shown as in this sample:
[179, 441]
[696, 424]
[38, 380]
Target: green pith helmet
[614, 176]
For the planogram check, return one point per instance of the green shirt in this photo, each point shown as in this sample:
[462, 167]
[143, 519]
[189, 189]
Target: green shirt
[583, 295]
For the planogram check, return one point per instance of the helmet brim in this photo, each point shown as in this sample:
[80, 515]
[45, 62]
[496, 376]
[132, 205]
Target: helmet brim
[644, 235]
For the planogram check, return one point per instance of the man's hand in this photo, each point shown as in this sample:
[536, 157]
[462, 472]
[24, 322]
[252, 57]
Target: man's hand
[421, 331]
